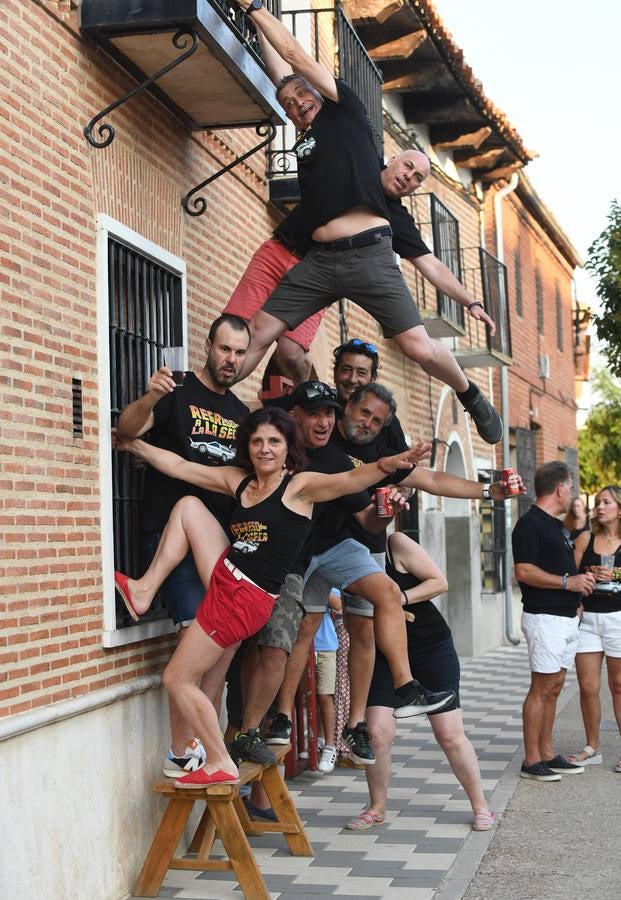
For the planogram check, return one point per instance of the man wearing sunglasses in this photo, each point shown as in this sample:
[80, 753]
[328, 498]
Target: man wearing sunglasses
[347, 215]
[551, 589]
[332, 558]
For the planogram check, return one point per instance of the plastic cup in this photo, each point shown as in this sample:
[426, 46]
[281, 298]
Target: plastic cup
[608, 562]
[174, 358]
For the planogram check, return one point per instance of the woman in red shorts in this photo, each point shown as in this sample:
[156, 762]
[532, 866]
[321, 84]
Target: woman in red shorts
[271, 521]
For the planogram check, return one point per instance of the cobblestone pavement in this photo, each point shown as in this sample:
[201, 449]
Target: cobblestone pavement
[426, 848]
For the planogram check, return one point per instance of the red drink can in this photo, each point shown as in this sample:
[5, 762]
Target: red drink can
[511, 482]
[382, 503]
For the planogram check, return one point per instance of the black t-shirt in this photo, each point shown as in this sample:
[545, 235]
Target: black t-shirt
[538, 539]
[390, 440]
[599, 601]
[200, 426]
[332, 517]
[406, 238]
[266, 537]
[338, 165]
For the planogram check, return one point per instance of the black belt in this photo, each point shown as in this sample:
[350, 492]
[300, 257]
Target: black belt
[364, 239]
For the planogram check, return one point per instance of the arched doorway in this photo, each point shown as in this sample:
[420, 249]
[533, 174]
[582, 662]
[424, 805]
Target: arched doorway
[459, 551]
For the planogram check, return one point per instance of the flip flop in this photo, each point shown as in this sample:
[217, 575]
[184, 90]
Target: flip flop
[120, 582]
[201, 779]
[617, 768]
[591, 758]
[364, 820]
[483, 821]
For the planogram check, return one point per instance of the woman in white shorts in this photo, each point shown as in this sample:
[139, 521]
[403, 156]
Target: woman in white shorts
[600, 629]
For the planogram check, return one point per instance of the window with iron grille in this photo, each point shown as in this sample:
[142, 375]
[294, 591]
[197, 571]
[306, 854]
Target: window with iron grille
[539, 298]
[408, 519]
[145, 314]
[517, 273]
[494, 279]
[559, 318]
[445, 230]
[526, 464]
[492, 537]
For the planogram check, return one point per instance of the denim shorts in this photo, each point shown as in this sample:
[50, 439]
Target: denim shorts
[183, 590]
[358, 606]
[338, 567]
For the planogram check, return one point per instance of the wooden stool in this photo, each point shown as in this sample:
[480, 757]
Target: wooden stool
[225, 814]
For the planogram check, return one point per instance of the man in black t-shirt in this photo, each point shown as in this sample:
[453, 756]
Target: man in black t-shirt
[551, 587]
[198, 420]
[347, 214]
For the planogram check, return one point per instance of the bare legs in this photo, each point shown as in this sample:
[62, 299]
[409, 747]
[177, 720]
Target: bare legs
[589, 670]
[538, 715]
[293, 360]
[448, 730]
[432, 357]
[190, 527]
[360, 662]
[297, 661]
[196, 656]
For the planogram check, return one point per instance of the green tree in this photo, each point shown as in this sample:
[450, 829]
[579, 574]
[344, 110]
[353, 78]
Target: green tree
[599, 441]
[604, 262]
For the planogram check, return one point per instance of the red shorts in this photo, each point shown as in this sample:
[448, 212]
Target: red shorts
[232, 610]
[268, 265]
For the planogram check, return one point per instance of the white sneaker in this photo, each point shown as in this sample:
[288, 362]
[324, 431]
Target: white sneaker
[328, 760]
[193, 758]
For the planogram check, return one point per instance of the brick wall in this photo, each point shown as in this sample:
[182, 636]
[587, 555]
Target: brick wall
[53, 186]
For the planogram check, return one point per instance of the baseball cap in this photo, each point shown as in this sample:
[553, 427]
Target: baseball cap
[313, 395]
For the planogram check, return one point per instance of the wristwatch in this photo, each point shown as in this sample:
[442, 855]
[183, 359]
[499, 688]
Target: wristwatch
[253, 6]
[486, 495]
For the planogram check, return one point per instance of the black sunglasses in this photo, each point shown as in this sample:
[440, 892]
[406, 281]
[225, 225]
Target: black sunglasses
[317, 389]
[567, 539]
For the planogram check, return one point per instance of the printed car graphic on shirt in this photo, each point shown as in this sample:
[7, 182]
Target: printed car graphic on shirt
[304, 147]
[245, 546]
[213, 448]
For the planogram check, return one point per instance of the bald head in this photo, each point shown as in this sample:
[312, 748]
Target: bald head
[405, 173]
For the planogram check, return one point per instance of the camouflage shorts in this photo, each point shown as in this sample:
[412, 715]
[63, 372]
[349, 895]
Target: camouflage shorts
[281, 629]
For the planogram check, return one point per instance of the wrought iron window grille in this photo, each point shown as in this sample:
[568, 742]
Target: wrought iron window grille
[492, 536]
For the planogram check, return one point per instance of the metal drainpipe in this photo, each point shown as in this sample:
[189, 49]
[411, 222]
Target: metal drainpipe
[504, 398]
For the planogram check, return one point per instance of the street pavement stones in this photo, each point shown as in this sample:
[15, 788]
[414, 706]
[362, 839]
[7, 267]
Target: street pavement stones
[426, 849]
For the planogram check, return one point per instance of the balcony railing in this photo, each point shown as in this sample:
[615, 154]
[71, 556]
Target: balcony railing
[319, 31]
[495, 299]
[486, 278]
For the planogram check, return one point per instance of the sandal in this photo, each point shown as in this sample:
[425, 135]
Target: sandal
[364, 820]
[587, 757]
[617, 768]
[483, 821]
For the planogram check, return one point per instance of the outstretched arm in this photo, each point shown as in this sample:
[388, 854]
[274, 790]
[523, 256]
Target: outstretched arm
[444, 280]
[277, 68]
[223, 479]
[314, 487]
[291, 51]
[442, 484]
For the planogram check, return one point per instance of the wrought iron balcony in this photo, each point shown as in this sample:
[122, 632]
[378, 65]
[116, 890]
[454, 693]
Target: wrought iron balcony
[486, 277]
[443, 317]
[198, 57]
[319, 30]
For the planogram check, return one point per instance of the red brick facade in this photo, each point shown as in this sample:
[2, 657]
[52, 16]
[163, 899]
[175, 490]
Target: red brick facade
[53, 187]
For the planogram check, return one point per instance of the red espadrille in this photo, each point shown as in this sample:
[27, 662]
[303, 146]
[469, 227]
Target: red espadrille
[120, 582]
[201, 779]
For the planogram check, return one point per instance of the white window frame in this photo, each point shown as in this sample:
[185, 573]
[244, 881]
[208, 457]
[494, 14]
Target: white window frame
[108, 227]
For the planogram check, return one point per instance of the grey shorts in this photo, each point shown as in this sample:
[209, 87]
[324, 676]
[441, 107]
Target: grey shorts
[358, 606]
[338, 567]
[368, 276]
[281, 629]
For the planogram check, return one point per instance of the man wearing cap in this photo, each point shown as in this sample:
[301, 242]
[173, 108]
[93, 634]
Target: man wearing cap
[348, 219]
[336, 559]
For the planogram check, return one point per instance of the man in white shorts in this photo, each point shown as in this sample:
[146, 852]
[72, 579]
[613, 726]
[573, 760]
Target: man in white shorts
[551, 587]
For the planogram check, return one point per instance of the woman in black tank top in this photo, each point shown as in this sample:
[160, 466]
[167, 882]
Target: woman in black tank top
[269, 526]
[600, 628]
[435, 663]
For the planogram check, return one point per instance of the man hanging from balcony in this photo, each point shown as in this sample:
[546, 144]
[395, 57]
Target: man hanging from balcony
[347, 215]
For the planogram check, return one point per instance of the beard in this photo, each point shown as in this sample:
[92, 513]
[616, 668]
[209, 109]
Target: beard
[219, 376]
[355, 434]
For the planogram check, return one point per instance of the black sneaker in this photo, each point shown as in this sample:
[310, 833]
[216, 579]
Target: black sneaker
[358, 741]
[279, 731]
[249, 746]
[419, 700]
[487, 421]
[539, 772]
[563, 766]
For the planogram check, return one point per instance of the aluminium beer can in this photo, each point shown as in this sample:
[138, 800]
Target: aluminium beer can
[511, 482]
[382, 503]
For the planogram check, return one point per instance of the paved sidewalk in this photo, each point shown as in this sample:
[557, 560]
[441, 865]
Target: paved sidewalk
[426, 848]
